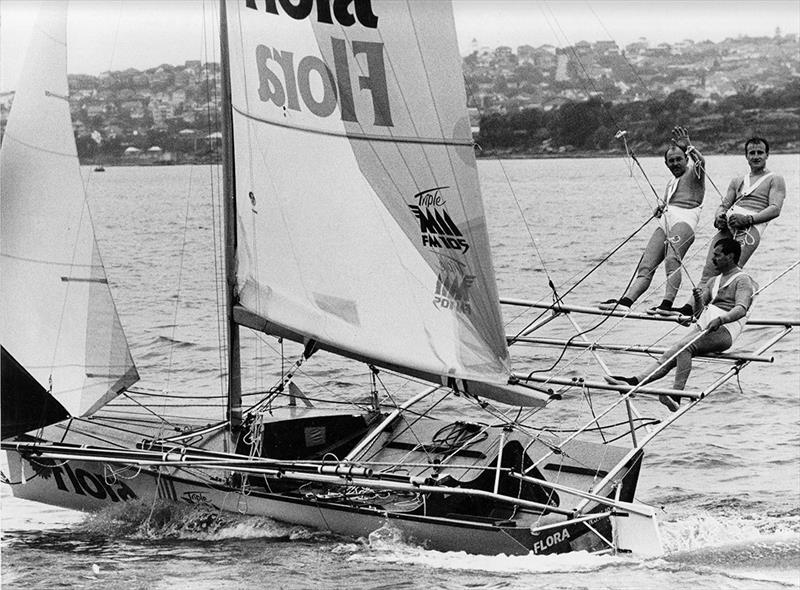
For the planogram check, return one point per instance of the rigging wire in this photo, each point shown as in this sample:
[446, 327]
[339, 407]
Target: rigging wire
[215, 203]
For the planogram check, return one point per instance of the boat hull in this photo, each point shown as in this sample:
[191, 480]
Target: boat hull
[90, 486]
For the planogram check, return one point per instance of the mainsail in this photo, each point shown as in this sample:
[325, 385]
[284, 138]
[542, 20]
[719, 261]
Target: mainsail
[360, 221]
[60, 328]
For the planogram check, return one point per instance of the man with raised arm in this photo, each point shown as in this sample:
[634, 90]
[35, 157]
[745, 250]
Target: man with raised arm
[724, 303]
[678, 217]
[751, 202]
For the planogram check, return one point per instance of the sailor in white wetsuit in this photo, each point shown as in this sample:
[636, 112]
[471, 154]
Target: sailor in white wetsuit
[724, 303]
[751, 202]
[678, 218]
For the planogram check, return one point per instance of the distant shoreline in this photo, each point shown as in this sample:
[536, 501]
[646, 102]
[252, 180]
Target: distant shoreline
[576, 155]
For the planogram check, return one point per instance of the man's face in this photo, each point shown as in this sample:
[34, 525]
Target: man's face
[676, 161]
[721, 260]
[756, 155]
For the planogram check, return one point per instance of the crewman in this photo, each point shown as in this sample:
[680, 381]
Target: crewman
[678, 217]
[722, 306]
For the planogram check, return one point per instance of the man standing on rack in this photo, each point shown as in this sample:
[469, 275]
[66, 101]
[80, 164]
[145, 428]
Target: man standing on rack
[724, 303]
[678, 217]
[751, 202]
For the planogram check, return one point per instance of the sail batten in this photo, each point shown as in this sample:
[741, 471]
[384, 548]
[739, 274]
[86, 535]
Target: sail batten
[421, 140]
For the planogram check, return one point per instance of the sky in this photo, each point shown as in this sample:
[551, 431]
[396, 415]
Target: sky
[118, 34]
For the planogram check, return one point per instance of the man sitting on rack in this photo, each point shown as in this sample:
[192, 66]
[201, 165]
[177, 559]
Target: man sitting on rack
[724, 302]
[678, 216]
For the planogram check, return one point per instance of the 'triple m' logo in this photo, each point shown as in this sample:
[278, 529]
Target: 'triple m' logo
[438, 230]
[452, 291]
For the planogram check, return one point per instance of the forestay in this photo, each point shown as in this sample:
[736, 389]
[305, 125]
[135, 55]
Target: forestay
[59, 324]
[360, 221]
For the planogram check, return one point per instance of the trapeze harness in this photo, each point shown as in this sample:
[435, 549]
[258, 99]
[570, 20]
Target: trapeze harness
[713, 311]
[744, 235]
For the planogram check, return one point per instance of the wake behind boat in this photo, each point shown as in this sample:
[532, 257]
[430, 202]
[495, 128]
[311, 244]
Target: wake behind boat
[345, 126]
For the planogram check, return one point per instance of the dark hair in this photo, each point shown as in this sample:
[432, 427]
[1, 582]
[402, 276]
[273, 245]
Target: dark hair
[756, 139]
[730, 246]
[674, 147]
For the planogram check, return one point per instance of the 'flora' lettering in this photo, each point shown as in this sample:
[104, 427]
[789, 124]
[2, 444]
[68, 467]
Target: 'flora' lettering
[95, 485]
[548, 542]
[336, 88]
[301, 9]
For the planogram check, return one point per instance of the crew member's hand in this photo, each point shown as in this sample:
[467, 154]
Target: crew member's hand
[714, 324]
[721, 221]
[680, 137]
[739, 221]
[658, 211]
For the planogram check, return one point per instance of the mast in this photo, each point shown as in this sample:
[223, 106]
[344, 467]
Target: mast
[234, 413]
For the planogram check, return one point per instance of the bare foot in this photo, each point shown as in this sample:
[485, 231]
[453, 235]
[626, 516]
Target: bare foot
[620, 380]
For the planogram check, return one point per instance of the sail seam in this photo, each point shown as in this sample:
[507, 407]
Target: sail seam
[37, 148]
[50, 262]
[362, 137]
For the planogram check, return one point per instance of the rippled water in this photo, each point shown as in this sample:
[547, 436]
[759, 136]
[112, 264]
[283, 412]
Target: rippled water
[727, 476]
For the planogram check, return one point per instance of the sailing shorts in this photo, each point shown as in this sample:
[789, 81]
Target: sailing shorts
[674, 214]
[712, 311]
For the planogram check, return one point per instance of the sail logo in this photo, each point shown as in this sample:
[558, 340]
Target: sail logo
[286, 81]
[431, 197]
[452, 288]
[438, 229]
[302, 9]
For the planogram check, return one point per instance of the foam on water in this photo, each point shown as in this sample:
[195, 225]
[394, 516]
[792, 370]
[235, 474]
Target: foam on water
[705, 530]
[170, 520]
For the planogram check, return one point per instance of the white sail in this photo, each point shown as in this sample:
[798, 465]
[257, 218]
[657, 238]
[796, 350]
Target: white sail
[59, 322]
[360, 222]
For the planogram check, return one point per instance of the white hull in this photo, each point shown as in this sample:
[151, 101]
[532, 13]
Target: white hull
[84, 486]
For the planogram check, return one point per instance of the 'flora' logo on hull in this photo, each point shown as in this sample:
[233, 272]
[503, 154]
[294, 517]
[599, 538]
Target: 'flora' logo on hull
[554, 539]
[82, 482]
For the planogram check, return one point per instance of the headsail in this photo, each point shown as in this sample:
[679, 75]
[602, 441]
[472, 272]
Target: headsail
[360, 222]
[59, 322]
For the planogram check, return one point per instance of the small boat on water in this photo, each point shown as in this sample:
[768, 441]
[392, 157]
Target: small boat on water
[354, 226]
[99, 168]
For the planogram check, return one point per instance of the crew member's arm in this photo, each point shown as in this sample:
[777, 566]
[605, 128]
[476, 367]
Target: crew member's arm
[680, 137]
[777, 193]
[743, 300]
[720, 217]
[700, 297]
[699, 161]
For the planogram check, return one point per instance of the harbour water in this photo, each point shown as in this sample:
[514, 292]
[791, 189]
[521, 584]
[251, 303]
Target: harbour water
[726, 478]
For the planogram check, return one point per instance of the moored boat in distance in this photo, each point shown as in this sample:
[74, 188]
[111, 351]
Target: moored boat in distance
[371, 107]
